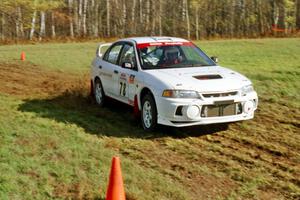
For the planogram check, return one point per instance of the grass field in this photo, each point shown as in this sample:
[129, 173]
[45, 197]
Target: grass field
[55, 143]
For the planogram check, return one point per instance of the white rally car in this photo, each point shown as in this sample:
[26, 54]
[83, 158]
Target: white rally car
[170, 81]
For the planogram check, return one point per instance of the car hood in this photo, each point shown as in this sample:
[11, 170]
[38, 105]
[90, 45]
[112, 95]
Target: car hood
[201, 79]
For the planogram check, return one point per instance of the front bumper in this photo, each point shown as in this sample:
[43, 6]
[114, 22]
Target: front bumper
[168, 110]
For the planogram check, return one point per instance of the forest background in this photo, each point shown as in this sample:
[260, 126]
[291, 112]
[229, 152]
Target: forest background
[191, 19]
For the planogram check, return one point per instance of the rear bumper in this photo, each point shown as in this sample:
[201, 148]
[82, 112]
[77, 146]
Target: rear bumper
[167, 108]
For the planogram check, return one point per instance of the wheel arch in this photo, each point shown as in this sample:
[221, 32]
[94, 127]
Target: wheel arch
[92, 84]
[95, 78]
[146, 92]
[98, 78]
[143, 92]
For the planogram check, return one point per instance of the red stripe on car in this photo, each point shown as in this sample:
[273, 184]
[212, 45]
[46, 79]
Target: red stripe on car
[144, 45]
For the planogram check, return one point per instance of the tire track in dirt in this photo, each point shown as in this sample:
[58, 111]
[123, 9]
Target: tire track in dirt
[224, 159]
[261, 160]
[250, 155]
[173, 164]
[27, 80]
[269, 155]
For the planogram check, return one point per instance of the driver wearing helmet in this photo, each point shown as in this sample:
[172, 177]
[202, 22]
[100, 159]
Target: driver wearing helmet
[171, 56]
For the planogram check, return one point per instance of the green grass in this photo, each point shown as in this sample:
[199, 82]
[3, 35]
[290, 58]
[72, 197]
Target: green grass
[60, 147]
[45, 158]
[75, 57]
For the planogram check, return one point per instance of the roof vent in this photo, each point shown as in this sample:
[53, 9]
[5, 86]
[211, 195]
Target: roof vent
[161, 38]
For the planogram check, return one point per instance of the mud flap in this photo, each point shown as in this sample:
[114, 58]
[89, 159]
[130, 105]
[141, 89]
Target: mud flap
[136, 110]
[92, 89]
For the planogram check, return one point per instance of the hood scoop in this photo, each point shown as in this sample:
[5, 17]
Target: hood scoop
[208, 77]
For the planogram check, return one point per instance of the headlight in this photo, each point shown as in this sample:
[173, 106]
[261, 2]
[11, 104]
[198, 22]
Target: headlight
[187, 94]
[247, 89]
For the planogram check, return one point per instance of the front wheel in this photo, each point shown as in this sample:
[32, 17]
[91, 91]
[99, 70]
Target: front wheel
[149, 113]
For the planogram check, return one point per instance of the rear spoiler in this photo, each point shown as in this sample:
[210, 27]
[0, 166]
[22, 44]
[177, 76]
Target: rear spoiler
[102, 49]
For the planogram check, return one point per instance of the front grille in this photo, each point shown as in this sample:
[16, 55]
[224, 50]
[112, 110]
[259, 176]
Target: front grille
[223, 94]
[221, 110]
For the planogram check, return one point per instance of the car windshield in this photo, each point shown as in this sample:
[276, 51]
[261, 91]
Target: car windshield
[172, 55]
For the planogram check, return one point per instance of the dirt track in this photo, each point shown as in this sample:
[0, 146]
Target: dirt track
[266, 148]
[28, 80]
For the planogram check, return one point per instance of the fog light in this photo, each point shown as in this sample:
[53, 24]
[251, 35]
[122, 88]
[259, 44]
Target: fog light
[192, 112]
[249, 107]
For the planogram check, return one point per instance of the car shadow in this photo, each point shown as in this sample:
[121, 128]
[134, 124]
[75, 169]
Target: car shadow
[115, 119]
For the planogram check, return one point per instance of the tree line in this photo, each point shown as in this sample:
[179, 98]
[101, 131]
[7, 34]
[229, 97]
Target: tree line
[193, 19]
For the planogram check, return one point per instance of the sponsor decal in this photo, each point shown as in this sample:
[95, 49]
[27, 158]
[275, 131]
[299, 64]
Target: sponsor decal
[131, 79]
[123, 76]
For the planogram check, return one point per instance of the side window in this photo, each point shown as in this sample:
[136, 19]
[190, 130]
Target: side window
[128, 55]
[113, 54]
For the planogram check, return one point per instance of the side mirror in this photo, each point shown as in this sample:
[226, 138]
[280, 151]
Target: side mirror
[215, 59]
[127, 65]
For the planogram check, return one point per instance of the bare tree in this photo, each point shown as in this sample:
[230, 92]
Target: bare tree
[2, 27]
[53, 33]
[84, 18]
[133, 18]
[187, 18]
[297, 3]
[95, 25]
[197, 21]
[141, 11]
[70, 9]
[147, 15]
[124, 18]
[154, 17]
[281, 14]
[43, 25]
[20, 23]
[79, 23]
[32, 30]
[193, 19]
[108, 17]
[160, 17]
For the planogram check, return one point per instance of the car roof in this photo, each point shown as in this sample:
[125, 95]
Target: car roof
[141, 40]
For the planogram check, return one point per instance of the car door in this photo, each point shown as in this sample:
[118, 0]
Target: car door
[127, 82]
[109, 69]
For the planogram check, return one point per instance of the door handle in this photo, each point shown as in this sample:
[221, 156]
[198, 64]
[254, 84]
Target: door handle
[116, 72]
[100, 67]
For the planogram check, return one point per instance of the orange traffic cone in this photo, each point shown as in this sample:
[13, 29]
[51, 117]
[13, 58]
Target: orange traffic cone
[115, 190]
[23, 57]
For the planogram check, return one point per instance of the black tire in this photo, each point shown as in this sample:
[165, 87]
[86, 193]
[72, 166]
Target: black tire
[148, 113]
[99, 95]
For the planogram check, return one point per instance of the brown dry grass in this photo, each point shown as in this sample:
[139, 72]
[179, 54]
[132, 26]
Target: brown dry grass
[25, 80]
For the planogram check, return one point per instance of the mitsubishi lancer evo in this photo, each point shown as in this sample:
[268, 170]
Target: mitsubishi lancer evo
[170, 81]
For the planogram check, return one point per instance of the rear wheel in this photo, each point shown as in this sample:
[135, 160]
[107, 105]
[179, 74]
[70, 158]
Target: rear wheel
[149, 113]
[99, 93]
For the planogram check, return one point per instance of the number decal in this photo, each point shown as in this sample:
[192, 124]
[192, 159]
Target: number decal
[121, 85]
[122, 88]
